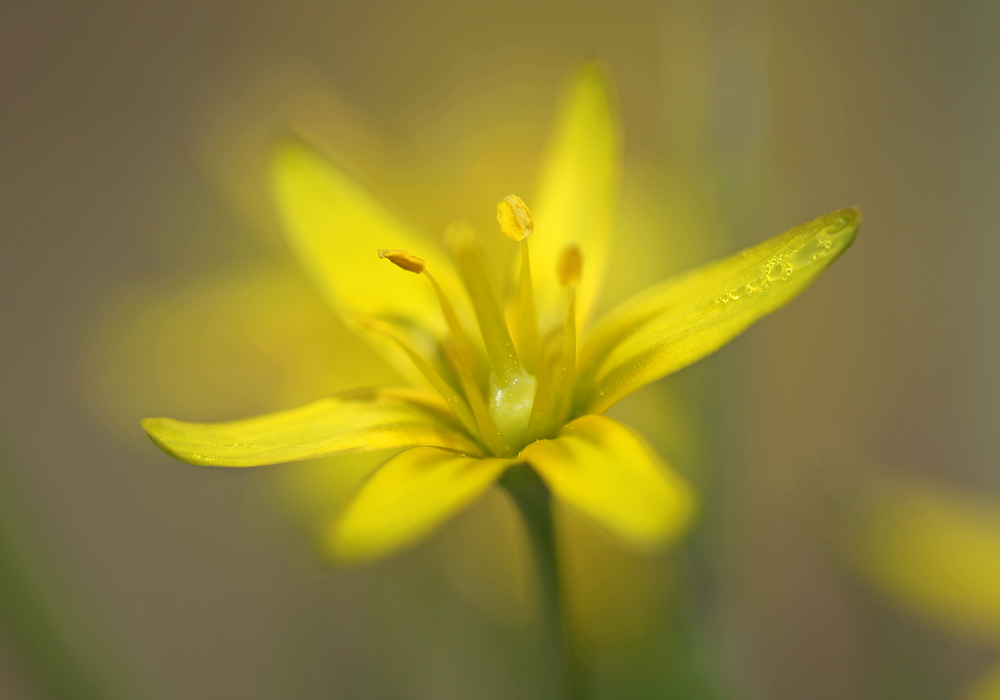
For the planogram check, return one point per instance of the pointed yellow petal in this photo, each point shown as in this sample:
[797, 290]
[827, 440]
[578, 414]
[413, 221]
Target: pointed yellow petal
[336, 227]
[935, 550]
[577, 192]
[407, 498]
[375, 419]
[603, 470]
[676, 323]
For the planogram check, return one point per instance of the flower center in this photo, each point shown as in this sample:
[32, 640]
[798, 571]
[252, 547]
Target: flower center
[510, 406]
[523, 391]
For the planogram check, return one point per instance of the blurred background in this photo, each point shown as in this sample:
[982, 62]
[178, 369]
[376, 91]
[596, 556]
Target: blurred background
[845, 449]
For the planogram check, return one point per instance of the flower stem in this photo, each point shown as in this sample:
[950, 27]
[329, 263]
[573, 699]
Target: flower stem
[534, 502]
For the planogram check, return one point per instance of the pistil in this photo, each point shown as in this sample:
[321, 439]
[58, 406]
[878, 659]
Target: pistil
[503, 417]
[511, 390]
[465, 363]
[517, 224]
[499, 346]
[557, 369]
[570, 271]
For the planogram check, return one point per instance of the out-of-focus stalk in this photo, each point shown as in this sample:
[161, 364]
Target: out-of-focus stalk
[534, 503]
[59, 652]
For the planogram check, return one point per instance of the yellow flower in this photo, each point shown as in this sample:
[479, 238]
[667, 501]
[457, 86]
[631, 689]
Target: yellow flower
[524, 398]
[937, 551]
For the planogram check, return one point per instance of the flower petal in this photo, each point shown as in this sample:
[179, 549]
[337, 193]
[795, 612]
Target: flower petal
[335, 228]
[374, 419]
[407, 498]
[600, 468]
[577, 192]
[676, 323]
[935, 550]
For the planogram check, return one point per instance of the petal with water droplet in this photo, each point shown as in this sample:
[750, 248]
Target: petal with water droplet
[677, 322]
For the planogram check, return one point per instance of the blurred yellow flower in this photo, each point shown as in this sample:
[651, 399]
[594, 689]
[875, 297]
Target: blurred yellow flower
[937, 551]
[519, 395]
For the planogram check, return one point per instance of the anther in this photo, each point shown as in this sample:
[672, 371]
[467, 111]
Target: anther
[400, 258]
[514, 217]
[570, 267]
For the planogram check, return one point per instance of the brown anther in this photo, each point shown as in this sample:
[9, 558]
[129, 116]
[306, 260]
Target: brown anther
[570, 267]
[514, 217]
[400, 258]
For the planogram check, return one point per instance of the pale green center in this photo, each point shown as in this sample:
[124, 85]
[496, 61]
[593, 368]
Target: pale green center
[510, 406]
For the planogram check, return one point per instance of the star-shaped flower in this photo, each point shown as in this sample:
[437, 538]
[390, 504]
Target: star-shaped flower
[526, 395]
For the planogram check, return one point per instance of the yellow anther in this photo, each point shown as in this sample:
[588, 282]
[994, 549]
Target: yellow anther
[570, 267]
[514, 217]
[400, 258]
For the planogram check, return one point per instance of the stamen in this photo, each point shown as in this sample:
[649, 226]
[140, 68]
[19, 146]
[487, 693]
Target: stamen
[527, 316]
[514, 217]
[463, 346]
[567, 367]
[451, 397]
[463, 359]
[400, 258]
[465, 362]
[570, 271]
[499, 346]
[570, 267]
[541, 418]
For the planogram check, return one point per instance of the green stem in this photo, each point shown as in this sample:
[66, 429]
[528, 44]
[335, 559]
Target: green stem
[534, 502]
